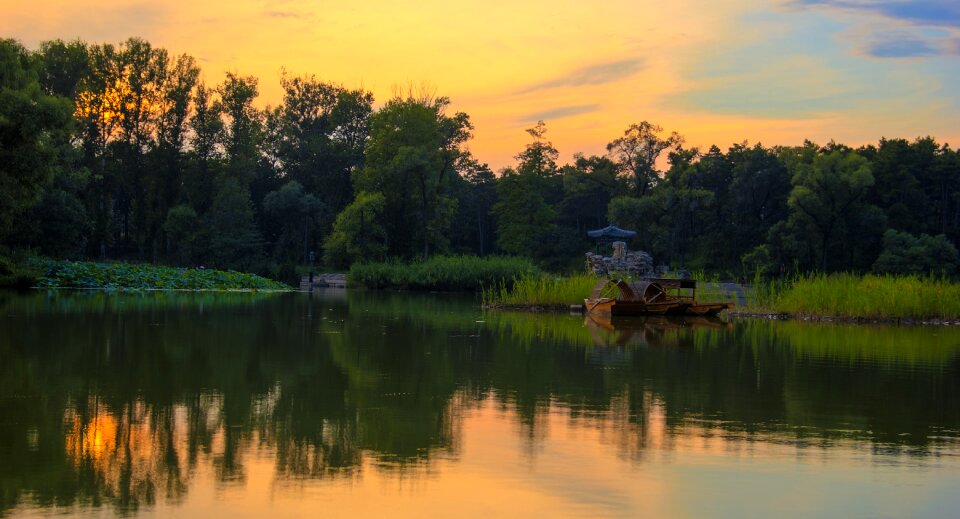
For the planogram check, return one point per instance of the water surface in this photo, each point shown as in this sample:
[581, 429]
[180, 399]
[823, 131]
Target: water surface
[284, 405]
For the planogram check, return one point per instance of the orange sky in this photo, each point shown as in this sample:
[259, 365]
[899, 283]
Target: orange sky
[774, 72]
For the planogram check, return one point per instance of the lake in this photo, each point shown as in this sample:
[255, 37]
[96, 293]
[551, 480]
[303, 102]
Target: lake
[359, 403]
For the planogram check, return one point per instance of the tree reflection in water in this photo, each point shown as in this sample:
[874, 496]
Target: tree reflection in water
[125, 399]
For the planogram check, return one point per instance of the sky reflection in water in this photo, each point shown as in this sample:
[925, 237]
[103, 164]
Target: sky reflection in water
[284, 405]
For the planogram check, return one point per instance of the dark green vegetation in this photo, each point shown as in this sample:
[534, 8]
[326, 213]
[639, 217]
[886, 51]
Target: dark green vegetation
[130, 400]
[84, 274]
[121, 152]
[451, 273]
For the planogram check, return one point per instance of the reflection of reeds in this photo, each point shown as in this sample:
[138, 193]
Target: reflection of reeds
[846, 343]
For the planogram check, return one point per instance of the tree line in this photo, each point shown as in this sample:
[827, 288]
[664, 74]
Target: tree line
[123, 152]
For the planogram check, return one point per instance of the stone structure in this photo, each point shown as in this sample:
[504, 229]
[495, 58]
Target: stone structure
[619, 250]
[635, 264]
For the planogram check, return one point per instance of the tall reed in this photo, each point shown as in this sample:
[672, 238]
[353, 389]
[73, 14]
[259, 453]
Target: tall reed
[871, 296]
[445, 273]
[543, 290]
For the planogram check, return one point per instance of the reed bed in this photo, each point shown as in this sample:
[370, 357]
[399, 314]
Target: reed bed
[870, 296]
[546, 291]
[442, 273]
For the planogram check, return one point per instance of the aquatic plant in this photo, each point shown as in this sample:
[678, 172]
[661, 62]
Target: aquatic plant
[139, 276]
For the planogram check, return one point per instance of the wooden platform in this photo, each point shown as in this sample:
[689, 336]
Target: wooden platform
[326, 280]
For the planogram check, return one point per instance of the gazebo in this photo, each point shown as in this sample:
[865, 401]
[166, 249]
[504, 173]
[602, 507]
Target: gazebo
[611, 233]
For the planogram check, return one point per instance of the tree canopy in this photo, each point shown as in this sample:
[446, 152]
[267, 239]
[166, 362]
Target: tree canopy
[121, 151]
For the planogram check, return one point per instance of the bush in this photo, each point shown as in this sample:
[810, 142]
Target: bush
[446, 273]
[906, 254]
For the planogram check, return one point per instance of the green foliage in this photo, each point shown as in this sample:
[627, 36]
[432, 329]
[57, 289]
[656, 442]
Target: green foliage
[292, 217]
[827, 201]
[409, 160]
[906, 254]
[317, 136]
[637, 152]
[523, 216]
[156, 166]
[235, 240]
[358, 234]
[129, 276]
[447, 273]
[29, 119]
[545, 290]
[183, 228]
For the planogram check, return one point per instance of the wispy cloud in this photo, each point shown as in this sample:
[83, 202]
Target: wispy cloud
[596, 74]
[558, 113]
[937, 13]
[287, 15]
[902, 47]
[897, 28]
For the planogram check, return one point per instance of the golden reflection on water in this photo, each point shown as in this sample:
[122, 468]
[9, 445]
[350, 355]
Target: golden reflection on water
[254, 410]
[566, 461]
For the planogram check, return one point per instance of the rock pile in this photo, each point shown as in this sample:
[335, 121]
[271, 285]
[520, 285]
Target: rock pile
[636, 264]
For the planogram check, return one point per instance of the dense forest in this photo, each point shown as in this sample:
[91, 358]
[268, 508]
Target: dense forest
[122, 152]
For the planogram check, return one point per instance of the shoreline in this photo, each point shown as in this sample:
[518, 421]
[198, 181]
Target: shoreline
[135, 289]
[769, 316]
[783, 316]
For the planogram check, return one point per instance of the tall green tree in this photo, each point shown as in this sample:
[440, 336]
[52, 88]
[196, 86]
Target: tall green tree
[359, 233]
[828, 200]
[29, 122]
[637, 151]
[206, 148]
[243, 128]
[234, 241]
[318, 135]
[291, 217]
[410, 159]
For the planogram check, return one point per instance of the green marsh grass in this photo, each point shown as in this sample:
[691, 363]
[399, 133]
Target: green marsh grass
[869, 296]
[443, 273]
[541, 291]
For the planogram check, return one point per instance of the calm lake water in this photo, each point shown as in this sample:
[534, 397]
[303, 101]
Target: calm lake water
[353, 403]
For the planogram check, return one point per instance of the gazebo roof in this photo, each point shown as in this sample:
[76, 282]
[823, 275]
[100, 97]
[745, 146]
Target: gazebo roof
[611, 231]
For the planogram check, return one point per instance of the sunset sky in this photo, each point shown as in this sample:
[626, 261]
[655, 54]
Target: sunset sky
[771, 71]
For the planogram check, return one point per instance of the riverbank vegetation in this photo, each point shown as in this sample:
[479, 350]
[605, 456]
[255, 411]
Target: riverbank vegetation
[447, 273]
[851, 296]
[123, 152]
[127, 276]
[542, 291]
[842, 296]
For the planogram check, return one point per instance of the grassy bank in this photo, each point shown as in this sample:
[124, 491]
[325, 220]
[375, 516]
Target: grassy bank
[130, 276]
[852, 296]
[443, 273]
[540, 291]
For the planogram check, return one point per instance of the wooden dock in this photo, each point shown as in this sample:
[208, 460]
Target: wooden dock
[327, 280]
